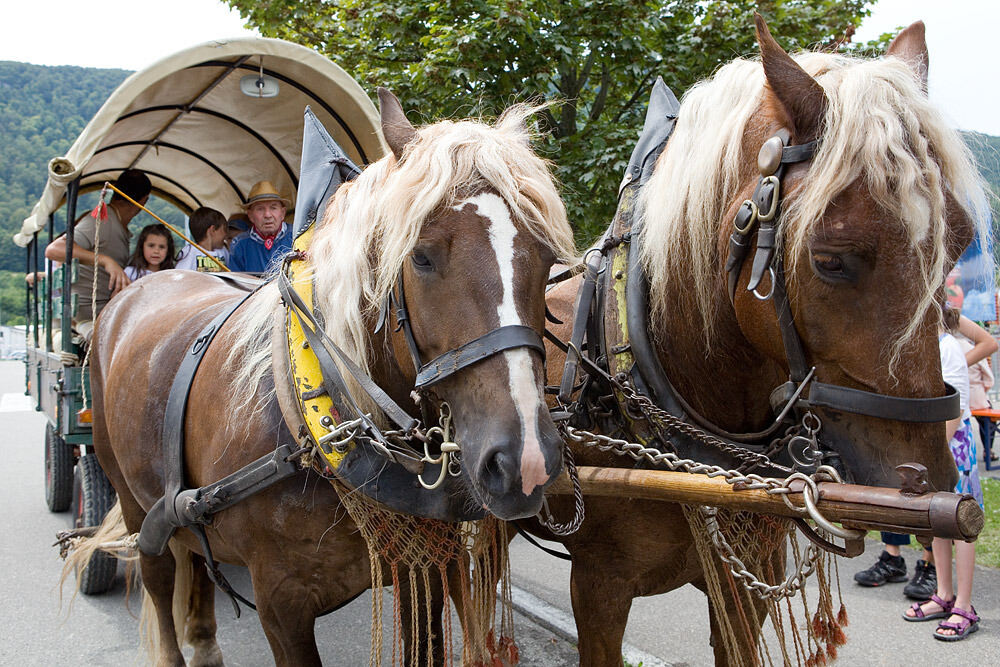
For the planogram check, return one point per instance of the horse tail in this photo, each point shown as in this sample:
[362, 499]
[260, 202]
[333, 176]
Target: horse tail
[149, 631]
[111, 537]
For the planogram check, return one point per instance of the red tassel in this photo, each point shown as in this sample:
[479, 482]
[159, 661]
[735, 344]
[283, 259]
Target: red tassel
[491, 644]
[842, 616]
[820, 658]
[818, 629]
[508, 646]
[839, 638]
[831, 651]
[100, 211]
[497, 662]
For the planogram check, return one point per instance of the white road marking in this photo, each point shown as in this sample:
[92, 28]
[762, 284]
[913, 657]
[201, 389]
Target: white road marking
[519, 362]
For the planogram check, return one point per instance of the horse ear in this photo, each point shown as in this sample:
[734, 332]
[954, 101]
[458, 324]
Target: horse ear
[800, 94]
[911, 46]
[395, 128]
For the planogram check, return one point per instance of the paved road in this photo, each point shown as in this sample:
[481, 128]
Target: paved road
[39, 628]
[668, 629]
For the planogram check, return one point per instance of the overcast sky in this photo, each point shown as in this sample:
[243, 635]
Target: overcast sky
[960, 36]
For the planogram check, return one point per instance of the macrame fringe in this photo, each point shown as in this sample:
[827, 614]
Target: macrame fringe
[431, 554]
[804, 637]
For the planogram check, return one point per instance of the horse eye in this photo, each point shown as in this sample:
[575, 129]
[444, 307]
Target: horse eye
[828, 263]
[421, 261]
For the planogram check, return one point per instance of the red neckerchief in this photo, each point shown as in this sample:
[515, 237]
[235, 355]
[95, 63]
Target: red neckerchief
[269, 240]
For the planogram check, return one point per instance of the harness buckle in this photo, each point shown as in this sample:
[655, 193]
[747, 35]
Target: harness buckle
[749, 214]
[769, 186]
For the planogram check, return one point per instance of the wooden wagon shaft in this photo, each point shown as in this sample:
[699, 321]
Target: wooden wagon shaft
[941, 514]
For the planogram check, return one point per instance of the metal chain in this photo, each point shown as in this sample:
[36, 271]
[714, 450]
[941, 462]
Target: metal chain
[740, 481]
[657, 415]
[761, 589]
[579, 511]
[671, 461]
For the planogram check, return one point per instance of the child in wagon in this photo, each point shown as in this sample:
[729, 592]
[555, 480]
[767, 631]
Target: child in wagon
[208, 227]
[154, 251]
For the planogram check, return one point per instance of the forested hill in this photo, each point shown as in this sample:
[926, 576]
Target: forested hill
[43, 109]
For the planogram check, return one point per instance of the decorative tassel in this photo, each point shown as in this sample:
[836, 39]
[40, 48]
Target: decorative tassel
[839, 638]
[100, 211]
[842, 616]
[831, 651]
[508, 649]
[491, 644]
[818, 628]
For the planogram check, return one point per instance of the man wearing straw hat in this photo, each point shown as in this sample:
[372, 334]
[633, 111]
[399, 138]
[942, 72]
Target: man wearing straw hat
[269, 238]
[110, 237]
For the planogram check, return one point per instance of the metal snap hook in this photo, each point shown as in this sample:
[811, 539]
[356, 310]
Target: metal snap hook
[770, 292]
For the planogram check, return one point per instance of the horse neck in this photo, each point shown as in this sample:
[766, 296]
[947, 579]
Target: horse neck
[386, 367]
[728, 381]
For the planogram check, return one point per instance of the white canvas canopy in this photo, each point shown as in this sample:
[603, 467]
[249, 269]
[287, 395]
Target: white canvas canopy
[203, 142]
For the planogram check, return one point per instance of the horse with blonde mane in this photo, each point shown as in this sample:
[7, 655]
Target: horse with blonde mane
[872, 215]
[462, 217]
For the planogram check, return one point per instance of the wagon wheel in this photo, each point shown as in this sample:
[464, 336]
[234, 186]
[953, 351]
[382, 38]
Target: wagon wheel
[58, 471]
[93, 497]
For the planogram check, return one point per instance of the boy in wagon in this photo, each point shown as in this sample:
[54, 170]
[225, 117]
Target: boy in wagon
[208, 228]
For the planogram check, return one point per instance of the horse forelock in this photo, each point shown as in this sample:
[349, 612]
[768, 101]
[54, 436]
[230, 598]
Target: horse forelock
[372, 224]
[880, 132]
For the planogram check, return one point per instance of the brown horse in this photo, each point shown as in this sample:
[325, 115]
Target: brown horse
[470, 219]
[869, 226]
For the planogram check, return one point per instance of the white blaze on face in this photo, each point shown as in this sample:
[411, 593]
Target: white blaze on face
[520, 365]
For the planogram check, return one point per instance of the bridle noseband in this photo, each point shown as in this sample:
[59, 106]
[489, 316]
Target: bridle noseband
[479, 349]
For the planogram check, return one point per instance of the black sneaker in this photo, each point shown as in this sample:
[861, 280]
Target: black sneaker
[924, 582]
[888, 569]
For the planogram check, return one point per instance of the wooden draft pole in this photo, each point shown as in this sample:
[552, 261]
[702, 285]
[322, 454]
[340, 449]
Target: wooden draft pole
[914, 509]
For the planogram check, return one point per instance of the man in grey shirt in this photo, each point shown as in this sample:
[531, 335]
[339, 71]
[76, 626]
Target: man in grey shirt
[110, 237]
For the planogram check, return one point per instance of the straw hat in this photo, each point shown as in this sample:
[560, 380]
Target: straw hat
[262, 191]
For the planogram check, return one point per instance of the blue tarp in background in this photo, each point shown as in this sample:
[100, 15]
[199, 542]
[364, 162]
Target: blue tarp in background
[976, 276]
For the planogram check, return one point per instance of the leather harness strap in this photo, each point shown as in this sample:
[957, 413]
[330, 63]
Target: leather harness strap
[505, 338]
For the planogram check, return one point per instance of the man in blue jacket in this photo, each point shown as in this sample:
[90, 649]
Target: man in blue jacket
[269, 238]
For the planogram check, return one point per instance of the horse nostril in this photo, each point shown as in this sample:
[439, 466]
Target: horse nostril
[498, 474]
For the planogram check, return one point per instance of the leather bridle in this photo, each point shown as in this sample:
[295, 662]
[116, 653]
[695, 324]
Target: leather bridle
[479, 349]
[763, 213]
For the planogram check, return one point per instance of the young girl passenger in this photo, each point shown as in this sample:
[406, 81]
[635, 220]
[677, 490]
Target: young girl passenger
[153, 252]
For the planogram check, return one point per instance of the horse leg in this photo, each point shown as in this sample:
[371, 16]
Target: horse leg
[158, 580]
[294, 586]
[201, 626]
[419, 631]
[736, 644]
[289, 623]
[601, 600]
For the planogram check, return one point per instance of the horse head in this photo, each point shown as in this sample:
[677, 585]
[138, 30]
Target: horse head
[874, 198]
[455, 231]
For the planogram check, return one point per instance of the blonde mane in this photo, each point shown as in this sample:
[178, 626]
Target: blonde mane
[372, 224]
[879, 127]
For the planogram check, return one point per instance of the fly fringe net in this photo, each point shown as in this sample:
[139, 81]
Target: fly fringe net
[806, 632]
[428, 556]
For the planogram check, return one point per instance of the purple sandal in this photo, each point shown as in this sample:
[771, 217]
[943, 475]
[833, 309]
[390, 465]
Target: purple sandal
[919, 615]
[964, 628]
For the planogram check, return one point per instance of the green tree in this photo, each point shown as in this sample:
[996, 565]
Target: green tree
[596, 58]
